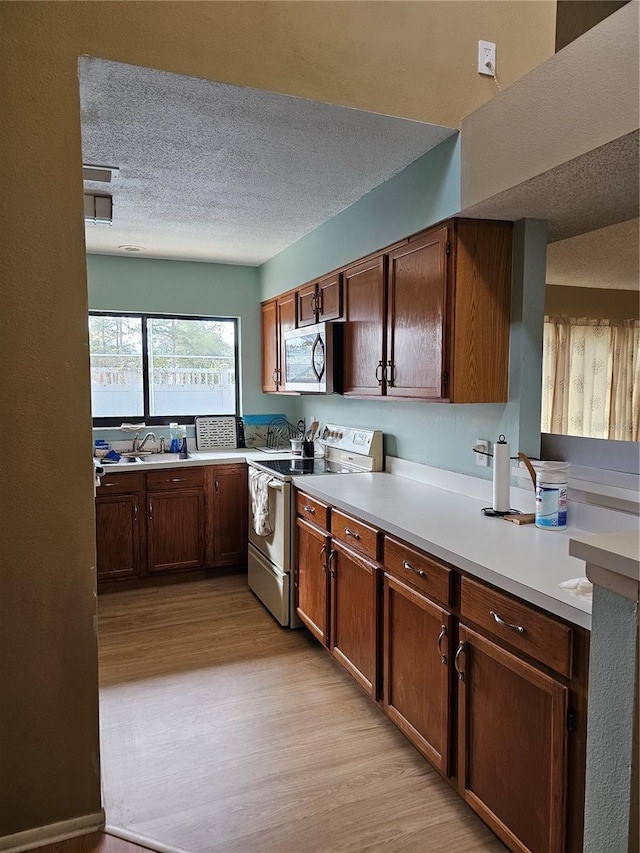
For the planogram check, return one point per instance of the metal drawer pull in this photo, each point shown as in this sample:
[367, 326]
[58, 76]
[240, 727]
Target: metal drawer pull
[441, 636]
[459, 651]
[410, 568]
[352, 533]
[106, 485]
[310, 509]
[175, 480]
[380, 367]
[504, 624]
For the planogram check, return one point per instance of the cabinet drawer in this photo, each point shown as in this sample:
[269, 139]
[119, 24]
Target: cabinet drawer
[355, 533]
[313, 510]
[540, 636]
[416, 568]
[120, 484]
[175, 478]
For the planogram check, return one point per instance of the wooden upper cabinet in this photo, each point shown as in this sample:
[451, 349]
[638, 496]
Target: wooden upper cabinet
[416, 315]
[365, 332]
[278, 317]
[480, 311]
[270, 346]
[320, 301]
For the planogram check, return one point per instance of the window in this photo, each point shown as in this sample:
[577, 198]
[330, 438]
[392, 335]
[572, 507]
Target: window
[160, 369]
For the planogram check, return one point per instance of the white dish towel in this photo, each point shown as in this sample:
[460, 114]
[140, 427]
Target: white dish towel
[259, 491]
[580, 587]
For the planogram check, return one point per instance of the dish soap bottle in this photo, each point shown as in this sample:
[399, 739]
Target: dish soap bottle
[173, 438]
[182, 439]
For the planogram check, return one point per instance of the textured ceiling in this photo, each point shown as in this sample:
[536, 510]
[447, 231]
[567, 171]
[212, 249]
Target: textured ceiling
[594, 190]
[213, 172]
[606, 258]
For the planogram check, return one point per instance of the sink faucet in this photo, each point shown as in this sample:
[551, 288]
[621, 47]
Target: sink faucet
[144, 440]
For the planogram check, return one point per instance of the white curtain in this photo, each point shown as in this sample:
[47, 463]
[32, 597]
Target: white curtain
[591, 378]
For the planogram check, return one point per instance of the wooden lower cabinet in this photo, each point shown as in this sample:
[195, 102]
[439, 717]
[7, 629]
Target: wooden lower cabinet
[512, 745]
[118, 537]
[354, 614]
[417, 659]
[175, 530]
[229, 515]
[311, 579]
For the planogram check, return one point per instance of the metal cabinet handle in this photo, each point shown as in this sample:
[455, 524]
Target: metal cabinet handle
[314, 303]
[380, 368]
[351, 533]
[459, 651]
[504, 624]
[135, 512]
[319, 302]
[388, 373]
[332, 569]
[323, 550]
[274, 376]
[150, 511]
[441, 636]
[308, 508]
[410, 568]
[216, 484]
[176, 479]
[107, 485]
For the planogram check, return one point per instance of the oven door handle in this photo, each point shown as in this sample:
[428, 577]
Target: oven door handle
[276, 485]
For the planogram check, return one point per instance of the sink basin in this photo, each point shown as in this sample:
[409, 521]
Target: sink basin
[155, 458]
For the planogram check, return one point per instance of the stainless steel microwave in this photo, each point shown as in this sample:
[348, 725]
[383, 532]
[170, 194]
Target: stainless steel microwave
[313, 359]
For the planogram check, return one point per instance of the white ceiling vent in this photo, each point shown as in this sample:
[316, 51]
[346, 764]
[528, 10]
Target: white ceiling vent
[98, 209]
[103, 174]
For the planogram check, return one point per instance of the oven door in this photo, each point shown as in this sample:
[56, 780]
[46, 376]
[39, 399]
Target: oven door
[276, 547]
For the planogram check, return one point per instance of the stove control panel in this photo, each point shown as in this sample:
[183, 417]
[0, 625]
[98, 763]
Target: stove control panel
[360, 442]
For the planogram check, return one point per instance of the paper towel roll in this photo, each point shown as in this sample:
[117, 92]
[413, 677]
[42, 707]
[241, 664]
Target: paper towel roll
[501, 476]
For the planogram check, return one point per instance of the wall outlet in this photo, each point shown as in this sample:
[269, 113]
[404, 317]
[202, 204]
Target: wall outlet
[487, 58]
[482, 445]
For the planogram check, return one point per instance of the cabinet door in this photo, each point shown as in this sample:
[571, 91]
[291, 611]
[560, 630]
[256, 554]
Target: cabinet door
[118, 537]
[229, 515]
[512, 745]
[306, 297]
[354, 606]
[330, 298]
[175, 530]
[417, 657]
[312, 579]
[416, 318]
[270, 346]
[365, 330]
[286, 322]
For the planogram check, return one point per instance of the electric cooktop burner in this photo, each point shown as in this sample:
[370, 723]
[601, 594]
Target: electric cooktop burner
[300, 466]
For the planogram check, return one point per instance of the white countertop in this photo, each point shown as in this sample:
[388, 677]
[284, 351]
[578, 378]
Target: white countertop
[196, 458]
[520, 559]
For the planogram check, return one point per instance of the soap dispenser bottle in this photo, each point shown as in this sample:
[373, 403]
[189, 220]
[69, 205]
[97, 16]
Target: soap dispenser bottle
[173, 438]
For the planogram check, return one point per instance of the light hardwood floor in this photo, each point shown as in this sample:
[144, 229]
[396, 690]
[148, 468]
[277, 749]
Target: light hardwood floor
[224, 733]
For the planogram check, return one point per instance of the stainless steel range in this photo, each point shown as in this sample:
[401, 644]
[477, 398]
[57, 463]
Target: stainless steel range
[271, 524]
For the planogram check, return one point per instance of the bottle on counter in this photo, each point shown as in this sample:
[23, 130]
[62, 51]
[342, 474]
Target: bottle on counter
[551, 495]
[182, 439]
[173, 438]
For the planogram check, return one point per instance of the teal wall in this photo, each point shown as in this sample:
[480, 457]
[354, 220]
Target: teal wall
[426, 192]
[185, 287]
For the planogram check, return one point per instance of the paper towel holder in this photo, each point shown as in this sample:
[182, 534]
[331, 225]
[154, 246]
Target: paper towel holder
[490, 511]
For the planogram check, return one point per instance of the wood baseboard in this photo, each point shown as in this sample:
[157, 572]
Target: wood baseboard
[141, 840]
[52, 833]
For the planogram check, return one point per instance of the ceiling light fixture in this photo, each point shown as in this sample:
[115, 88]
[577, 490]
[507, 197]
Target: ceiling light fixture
[103, 174]
[98, 209]
[131, 248]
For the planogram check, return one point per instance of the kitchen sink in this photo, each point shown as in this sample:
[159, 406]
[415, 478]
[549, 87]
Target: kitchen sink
[155, 458]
